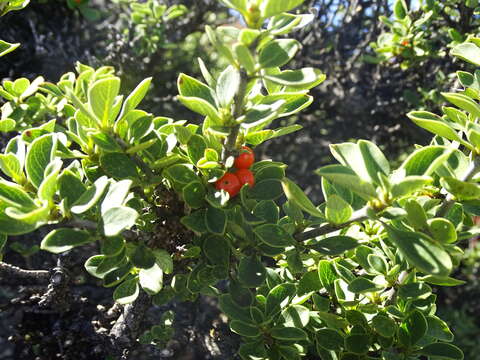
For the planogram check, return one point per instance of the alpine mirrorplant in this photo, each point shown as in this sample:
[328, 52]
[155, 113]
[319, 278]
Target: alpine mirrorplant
[351, 278]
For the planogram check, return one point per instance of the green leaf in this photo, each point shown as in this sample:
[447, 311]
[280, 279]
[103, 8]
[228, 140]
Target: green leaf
[284, 23]
[269, 189]
[127, 292]
[416, 325]
[310, 281]
[101, 96]
[163, 260]
[400, 9]
[48, 187]
[326, 273]
[267, 210]
[384, 325]
[288, 334]
[425, 160]
[232, 310]
[329, 339]
[227, 86]
[442, 230]
[334, 245]
[414, 290]
[194, 194]
[378, 263]
[296, 316]
[244, 57]
[295, 194]
[116, 194]
[251, 271]
[37, 216]
[249, 351]
[463, 102]
[64, 239]
[342, 175]
[151, 279]
[39, 154]
[195, 221]
[116, 219]
[143, 257]
[196, 148]
[363, 285]
[112, 246]
[468, 52]
[409, 185]
[70, 187]
[105, 141]
[135, 97]
[217, 250]
[438, 329]
[278, 52]
[11, 166]
[240, 5]
[215, 220]
[421, 252]
[7, 125]
[278, 298]
[244, 329]
[434, 124]
[118, 165]
[14, 195]
[191, 87]
[269, 8]
[462, 190]
[91, 196]
[415, 214]
[442, 351]
[6, 47]
[357, 343]
[305, 78]
[181, 173]
[375, 161]
[337, 210]
[274, 235]
[12, 226]
[442, 281]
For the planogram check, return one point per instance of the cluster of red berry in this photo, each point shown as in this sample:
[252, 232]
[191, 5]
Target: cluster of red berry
[232, 182]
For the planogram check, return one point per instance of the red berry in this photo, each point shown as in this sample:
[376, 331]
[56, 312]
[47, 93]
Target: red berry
[245, 159]
[246, 177]
[230, 183]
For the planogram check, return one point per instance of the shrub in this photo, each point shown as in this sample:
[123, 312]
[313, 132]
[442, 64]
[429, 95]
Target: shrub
[347, 279]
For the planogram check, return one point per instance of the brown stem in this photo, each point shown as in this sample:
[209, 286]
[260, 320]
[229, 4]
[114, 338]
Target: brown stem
[15, 275]
[127, 327]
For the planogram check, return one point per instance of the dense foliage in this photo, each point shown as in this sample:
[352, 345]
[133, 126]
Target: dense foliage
[347, 279]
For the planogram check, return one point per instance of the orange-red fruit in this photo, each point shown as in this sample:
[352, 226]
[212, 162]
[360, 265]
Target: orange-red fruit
[230, 183]
[245, 159]
[246, 177]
